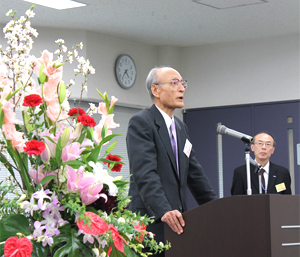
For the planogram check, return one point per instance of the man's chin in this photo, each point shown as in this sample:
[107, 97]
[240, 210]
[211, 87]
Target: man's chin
[180, 105]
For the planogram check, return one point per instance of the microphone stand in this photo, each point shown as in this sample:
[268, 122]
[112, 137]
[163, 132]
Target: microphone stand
[247, 158]
[259, 181]
[258, 170]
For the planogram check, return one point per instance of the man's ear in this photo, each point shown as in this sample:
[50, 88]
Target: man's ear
[155, 90]
[273, 150]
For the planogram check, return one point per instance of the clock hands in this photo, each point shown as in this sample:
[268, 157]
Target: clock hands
[125, 73]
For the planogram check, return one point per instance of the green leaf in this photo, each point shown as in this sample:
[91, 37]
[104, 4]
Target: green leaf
[59, 65]
[50, 139]
[25, 160]
[10, 226]
[69, 243]
[101, 94]
[39, 250]
[62, 92]
[75, 164]
[42, 76]
[23, 167]
[89, 133]
[129, 252]
[111, 147]
[120, 183]
[46, 179]
[94, 154]
[103, 132]
[65, 137]
[29, 127]
[108, 138]
[58, 150]
[1, 116]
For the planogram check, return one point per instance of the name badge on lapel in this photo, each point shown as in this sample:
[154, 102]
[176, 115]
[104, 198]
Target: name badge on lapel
[280, 187]
[187, 148]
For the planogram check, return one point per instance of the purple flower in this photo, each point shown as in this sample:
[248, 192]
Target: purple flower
[51, 230]
[41, 195]
[47, 240]
[29, 206]
[38, 231]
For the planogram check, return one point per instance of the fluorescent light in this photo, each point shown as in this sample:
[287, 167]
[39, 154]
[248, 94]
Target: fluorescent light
[229, 3]
[57, 4]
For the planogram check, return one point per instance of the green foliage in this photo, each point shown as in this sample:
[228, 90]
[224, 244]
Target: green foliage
[39, 250]
[7, 206]
[10, 226]
[69, 243]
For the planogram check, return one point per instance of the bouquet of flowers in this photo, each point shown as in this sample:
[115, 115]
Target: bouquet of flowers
[67, 204]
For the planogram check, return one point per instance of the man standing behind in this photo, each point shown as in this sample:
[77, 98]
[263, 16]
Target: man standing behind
[275, 179]
[161, 159]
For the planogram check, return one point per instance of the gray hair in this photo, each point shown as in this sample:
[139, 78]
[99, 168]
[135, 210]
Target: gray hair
[152, 79]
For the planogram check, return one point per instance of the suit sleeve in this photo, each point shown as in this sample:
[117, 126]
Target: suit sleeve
[287, 181]
[237, 187]
[142, 156]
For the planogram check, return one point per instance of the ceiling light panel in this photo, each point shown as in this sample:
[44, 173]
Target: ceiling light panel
[57, 4]
[221, 4]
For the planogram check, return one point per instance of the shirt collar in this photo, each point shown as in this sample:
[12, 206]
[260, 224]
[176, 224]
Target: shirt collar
[266, 167]
[166, 117]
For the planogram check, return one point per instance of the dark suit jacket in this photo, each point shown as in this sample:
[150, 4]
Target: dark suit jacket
[155, 187]
[277, 175]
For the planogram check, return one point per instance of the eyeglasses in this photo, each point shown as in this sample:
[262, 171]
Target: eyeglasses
[261, 144]
[174, 83]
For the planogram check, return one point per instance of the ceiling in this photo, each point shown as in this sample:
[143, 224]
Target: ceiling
[171, 22]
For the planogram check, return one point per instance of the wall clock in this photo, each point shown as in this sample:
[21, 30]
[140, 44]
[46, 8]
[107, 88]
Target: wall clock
[125, 71]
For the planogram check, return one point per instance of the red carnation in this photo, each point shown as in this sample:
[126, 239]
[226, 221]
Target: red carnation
[32, 100]
[17, 247]
[96, 226]
[86, 120]
[117, 167]
[34, 147]
[76, 112]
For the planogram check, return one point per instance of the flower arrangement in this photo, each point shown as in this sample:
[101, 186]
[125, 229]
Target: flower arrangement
[69, 204]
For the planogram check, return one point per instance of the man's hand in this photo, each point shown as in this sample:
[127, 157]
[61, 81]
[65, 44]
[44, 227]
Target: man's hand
[175, 221]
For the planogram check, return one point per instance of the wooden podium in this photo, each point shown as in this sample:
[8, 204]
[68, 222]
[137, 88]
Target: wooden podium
[240, 226]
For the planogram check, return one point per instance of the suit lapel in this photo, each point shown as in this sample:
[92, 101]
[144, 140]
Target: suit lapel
[254, 178]
[181, 139]
[164, 135]
[272, 177]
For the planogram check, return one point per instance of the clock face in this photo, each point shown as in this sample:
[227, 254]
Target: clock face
[125, 71]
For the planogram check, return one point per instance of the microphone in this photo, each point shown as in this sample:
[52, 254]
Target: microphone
[221, 129]
[254, 163]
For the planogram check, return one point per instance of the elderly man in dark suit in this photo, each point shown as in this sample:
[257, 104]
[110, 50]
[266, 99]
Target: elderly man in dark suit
[275, 179]
[161, 168]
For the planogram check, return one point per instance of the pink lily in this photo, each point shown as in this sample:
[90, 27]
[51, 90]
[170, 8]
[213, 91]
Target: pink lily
[91, 193]
[39, 174]
[71, 152]
[76, 180]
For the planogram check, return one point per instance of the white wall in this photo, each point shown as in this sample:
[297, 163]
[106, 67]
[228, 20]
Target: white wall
[253, 71]
[262, 70]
